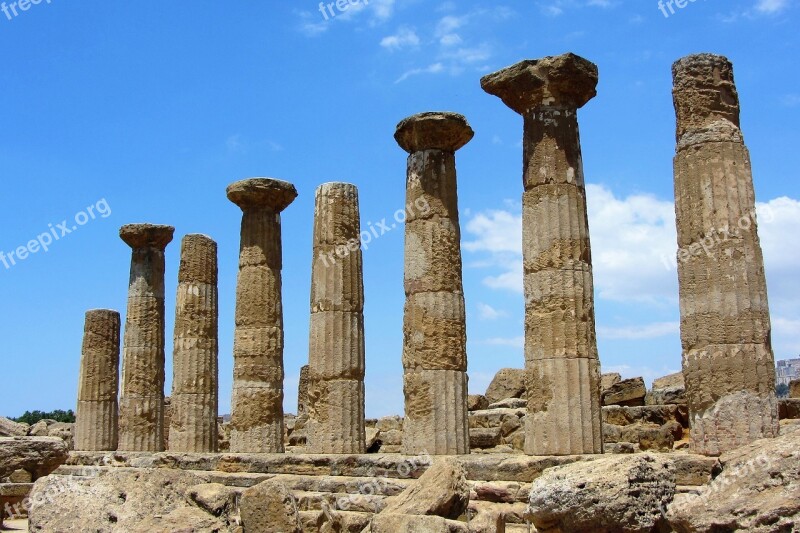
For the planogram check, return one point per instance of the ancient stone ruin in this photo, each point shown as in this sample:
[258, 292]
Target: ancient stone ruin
[555, 446]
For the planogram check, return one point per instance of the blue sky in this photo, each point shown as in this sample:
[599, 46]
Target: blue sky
[155, 107]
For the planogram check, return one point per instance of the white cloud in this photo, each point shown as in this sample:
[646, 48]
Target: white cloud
[435, 68]
[771, 7]
[514, 342]
[633, 246]
[487, 312]
[646, 331]
[405, 37]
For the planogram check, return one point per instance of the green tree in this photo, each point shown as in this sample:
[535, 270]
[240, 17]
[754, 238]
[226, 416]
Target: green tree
[31, 417]
[782, 390]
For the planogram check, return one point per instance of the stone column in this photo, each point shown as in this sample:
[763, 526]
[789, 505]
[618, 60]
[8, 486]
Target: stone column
[194, 401]
[302, 392]
[141, 411]
[725, 326]
[336, 340]
[96, 418]
[257, 404]
[561, 358]
[434, 324]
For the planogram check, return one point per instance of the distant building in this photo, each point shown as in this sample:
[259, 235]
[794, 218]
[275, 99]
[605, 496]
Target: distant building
[786, 371]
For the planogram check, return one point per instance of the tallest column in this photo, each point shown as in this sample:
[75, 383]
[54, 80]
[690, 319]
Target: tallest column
[561, 359]
[257, 404]
[725, 326]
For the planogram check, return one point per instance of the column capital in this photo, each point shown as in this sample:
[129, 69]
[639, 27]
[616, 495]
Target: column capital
[567, 81]
[433, 131]
[146, 235]
[256, 193]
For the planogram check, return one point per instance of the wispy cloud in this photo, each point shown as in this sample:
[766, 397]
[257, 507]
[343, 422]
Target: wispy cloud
[645, 331]
[404, 37]
[487, 312]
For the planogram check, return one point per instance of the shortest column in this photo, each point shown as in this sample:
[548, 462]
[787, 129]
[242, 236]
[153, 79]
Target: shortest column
[193, 424]
[96, 419]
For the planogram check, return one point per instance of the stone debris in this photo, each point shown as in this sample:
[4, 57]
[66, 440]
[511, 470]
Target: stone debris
[628, 392]
[507, 383]
[609, 495]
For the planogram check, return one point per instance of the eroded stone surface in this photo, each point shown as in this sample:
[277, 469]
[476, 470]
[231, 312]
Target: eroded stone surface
[96, 427]
[434, 319]
[257, 403]
[141, 403]
[728, 363]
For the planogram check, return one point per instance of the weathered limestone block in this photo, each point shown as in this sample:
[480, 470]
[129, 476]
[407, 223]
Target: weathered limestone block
[194, 400]
[269, 507]
[402, 523]
[436, 405]
[477, 402]
[441, 491]
[609, 380]
[728, 363]
[560, 339]
[9, 428]
[666, 396]
[39, 456]
[612, 494]
[257, 404]
[628, 392]
[141, 407]
[758, 490]
[336, 338]
[434, 324]
[96, 425]
[507, 383]
[672, 380]
[794, 389]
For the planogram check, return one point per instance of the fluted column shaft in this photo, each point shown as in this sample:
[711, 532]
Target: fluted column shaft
[257, 403]
[561, 357]
[194, 400]
[434, 322]
[96, 416]
[141, 420]
[336, 339]
[728, 361]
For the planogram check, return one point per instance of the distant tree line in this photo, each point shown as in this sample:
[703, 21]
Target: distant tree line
[31, 417]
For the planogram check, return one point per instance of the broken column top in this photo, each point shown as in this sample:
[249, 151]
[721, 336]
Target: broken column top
[338, 189]
[567, 80]
[146, 235]
[198, 259]
[433, 131]
[262, 192]
[705, 98]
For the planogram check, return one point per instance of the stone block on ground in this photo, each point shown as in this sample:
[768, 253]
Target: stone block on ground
[757, 491]
[269, 507]
[628, 392]
[608, 495]
[672, 380]
[609, 380]
[400, 523]
[507, 383]
[441, 491]
[476, 402]
[9, 428]
[794, 389]
[37, 455]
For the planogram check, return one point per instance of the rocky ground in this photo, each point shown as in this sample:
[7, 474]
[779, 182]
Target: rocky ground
[646, 482]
